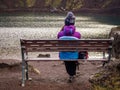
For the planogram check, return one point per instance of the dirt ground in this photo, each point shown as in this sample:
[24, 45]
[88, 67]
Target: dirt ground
[52, 76]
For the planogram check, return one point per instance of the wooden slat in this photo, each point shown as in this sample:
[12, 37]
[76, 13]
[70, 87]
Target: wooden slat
[64, 49]
[65, 42]
[57, 59]
[66, 45]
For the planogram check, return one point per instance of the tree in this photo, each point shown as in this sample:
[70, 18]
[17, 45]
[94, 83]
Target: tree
[63, 4]
[39, 3]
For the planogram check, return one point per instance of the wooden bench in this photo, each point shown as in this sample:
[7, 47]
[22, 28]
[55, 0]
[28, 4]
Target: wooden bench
[90, 45]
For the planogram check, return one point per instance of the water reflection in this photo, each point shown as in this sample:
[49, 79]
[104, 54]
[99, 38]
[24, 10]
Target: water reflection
[13, 28]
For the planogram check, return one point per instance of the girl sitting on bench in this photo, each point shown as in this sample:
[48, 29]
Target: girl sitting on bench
[68, 32]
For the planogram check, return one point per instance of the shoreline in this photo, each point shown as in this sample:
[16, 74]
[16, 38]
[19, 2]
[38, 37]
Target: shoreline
[105, 11]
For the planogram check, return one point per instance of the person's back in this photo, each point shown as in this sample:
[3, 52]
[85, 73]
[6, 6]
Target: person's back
[70, 54]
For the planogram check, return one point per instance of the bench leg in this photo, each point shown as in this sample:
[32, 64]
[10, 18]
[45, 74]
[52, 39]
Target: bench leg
[77, 65]
[109, 57]
[103, 54]
[23, 74]
[26, 71]
[104, 63]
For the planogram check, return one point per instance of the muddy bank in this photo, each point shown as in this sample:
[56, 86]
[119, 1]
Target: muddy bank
[52, 76]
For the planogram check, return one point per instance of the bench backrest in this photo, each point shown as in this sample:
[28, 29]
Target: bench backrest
[66, 45]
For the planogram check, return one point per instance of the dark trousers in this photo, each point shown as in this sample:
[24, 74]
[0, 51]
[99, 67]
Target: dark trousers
[71, 67]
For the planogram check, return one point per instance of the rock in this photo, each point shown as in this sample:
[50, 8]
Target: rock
[115, 33]
[33, 69]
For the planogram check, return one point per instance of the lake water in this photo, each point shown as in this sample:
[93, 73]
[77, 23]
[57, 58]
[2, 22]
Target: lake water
[13, 27]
